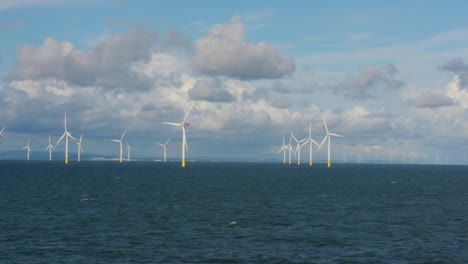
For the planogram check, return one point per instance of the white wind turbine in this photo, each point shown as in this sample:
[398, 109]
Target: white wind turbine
[120, 142]
[66, 135]
[49, 148]
[80, 147]
[27, 148]
[164, 147]
[310, 141]
[128, 151]
[299, 144]
[284, 148]
[328, 136]
[183, 124]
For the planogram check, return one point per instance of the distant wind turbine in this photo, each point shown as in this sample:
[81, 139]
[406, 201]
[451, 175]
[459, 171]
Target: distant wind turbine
[299, 144]
[49, 148]
[284, 148]
[164, 147]
[66, 135]
[128, 151]
[27, 148]
[80, 147]
[328, 136]
[183, 124]
[120, 142]
[310, 141]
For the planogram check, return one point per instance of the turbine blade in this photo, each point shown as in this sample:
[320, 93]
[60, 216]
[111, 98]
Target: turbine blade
[68, 133]
[1, 131]
[123, 134]
[65, 121]
[161, 145]
[172, 124]
[60, 139]
[325, 123]
[323, 141]
[116, 140]
[295, 139]
[335, 135]
[186, 115]
[283, 141]
[167, 141]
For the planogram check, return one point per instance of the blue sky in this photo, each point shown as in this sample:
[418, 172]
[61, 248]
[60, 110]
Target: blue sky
[391, 77]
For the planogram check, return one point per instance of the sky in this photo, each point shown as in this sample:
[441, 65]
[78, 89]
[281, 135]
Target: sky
[391, 77]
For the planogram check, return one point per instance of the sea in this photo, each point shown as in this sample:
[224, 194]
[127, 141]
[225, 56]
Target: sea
[216, 212]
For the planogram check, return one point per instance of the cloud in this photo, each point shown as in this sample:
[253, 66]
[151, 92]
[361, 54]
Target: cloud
[430, 100]
[107, 65]
[457, 93]
[211, 90]
[459, 67]
[225, 52]
[366, 81]
[281, 103]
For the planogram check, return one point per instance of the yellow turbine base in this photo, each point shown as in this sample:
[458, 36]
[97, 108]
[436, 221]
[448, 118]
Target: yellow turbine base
[299, 162]
[183, 163]
[121, 161]
[310, 163]
[329, 164]
[66, 161]
[289, 163]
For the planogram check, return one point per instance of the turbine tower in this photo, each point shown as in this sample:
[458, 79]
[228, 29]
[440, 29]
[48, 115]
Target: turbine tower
[328, 136]
[290, 149]
[120, 142]
[49, 148]
[183, 124]
[66, 135]
[164, 147]
[310, 141]
[80, 147]
[27, 148]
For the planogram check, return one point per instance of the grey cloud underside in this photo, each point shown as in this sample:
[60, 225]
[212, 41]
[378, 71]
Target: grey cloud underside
[210, 90]
[225, 52]
[430, 100]
[280, 87]
[281, 103]
[366, 81]
[107, 65]
[459, 67]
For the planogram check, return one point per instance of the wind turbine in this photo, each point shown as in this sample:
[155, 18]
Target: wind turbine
[183, 124]
[299, 144]
[1, 131]
[328, 136]
[66, 135]
[49, 147]
[164, 147]
[120, 142]
[80, 147]
[290, 149]
[128, 151]
[284, 148]
[27, 148]
[310, 141]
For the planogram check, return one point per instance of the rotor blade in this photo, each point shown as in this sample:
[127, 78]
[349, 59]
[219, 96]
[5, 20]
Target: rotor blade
[161, 145]
[1, 131]
[323, 141]
[69, 134]
[313, 141]
[290, 139]
[295, 139]
[167, 141]
[283, 141]
[116, 140]
[186, 115]
[123, 134]
[60, 139]
[325, 123]
[172, 124]
[335, 135]
[81, 137]
[310, 129]
[65, 121]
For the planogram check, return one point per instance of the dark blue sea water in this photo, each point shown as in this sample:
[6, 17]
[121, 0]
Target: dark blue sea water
[148, 212]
